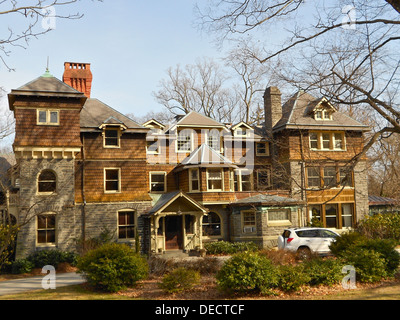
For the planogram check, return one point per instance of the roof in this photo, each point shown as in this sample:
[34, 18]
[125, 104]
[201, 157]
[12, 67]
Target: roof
[296, 113]
[195, 119]
[96, 113]
[205, 156]
[267, 199]
[376, 201]
[168, 198]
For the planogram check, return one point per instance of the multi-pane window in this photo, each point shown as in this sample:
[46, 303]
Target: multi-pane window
[111, 138]
[47, 182]
[279, 215]
[184, 141]
[158, 182]
[333, 215]
[194, 181]
[249, 221]
[323, 115]
[211, 224]
[347, 215]
[213, 140]
[215, 179]
[315, 212]
[330, 177]
[346, 179]
[331, 211]
[262, 149]
[327, 141]
[46, 229]
[48, 117]
[126, 225]
[313, 177]
[263, 179]
[112, 180]
[243, 180]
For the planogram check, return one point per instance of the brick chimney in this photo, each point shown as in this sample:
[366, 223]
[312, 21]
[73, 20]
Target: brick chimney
[272, 108]
[78, 76]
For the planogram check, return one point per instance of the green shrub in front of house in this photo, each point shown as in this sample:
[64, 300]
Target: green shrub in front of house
[180, 279]
[324, 271]
[52, 257]
[248, 272]
[381, 226]
[292, 277]
[21, 266]
[112, 267]
[227, 248]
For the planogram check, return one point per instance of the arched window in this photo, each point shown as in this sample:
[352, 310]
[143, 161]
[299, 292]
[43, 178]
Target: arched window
[47, 182]
[211, 224]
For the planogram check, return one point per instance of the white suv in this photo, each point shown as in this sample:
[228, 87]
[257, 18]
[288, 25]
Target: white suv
[307, 240]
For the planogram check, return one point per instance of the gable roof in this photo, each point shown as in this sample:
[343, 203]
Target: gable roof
[195, 119]
[95, 113]
[204, 156]
[241, 124]
[296, 115]
[157, 123]
[168, 198]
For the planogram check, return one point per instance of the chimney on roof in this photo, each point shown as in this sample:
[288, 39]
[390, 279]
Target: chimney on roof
[78, 76]
[272, 108]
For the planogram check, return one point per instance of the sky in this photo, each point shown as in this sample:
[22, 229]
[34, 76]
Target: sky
[129, 43]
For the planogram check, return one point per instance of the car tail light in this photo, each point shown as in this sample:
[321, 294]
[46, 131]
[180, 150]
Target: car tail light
[289, 240]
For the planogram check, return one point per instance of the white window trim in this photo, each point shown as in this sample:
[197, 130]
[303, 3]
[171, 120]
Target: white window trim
[253, 227]
[207, 135]
[222, 180]
[191, 141]
[239, 180]
[119, 138]
[331, 141]
[48, 123]
[285, 222]
[324, 112]
[165, 181]
[153, 142]
[135, 224]
[119, 181]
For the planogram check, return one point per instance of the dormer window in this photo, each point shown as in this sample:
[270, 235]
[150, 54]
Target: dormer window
[241, 132]
[111, 137]
[323, 115]
[48, 117]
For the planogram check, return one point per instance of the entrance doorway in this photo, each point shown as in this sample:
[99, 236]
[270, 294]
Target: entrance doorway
[173, 233]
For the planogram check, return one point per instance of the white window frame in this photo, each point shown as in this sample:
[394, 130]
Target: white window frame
[222, 180]
[48, 117]
[118, 138]
[105, 181]
[323, 113]
[190, 135]
[239, 181]
[266, 145]
[155, 141]
[165, 181]
[282, 222]
[216, 138]
[332, 141]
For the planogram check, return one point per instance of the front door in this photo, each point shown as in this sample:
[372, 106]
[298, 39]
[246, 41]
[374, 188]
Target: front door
[173, 233]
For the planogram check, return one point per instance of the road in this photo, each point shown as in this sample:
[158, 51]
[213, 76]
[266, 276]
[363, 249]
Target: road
[35, 283]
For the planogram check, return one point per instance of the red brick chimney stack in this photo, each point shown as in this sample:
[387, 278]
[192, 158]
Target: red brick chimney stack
[78, 76]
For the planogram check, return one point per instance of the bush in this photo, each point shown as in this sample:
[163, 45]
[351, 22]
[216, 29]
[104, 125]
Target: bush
[369, 264]
[292, 277]
[381, 226]
[51, 258]
[227, 248]
[21, 266]
[179, 280]
[345, 241]
[323, 271]
[113, 267]
[248, 272]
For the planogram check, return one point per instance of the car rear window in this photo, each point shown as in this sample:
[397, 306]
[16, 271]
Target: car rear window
[286, 234]
[308, 233]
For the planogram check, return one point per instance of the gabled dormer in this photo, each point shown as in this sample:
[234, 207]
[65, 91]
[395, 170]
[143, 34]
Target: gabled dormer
[155, 126]
[112, 130]
[321, 110]
[242, 129]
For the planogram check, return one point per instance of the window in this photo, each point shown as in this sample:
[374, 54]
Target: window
[327, 141]
[194, 182]
[315, 212]
[262, 149]
[152, 147]
[243, 180]
[126, 225]
[215, 179]
[111, 138]
[47, 182]
[184, 141]
[48, 117]
[189, 223]
[346, 179]
[112, 180]
[313, 140]
[323, 115]
[313, 177]
[331, 215]
[158, 182]
[241, 132]
[213, 140]
[46, 229]
[330, 177]
[279, 215]
[347, 215]
[212, 224]
[263, 179]
[249, 221]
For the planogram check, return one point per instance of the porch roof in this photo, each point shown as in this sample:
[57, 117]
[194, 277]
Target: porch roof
[267, 199]
[169, 198]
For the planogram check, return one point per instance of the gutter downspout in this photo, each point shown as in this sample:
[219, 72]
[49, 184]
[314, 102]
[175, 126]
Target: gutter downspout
[83, 194]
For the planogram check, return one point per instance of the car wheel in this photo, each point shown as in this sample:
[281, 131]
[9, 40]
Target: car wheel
[304, 253]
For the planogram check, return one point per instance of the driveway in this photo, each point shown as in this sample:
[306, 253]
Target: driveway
[35, 283]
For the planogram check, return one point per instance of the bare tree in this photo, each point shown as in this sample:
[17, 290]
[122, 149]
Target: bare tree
[34, 19]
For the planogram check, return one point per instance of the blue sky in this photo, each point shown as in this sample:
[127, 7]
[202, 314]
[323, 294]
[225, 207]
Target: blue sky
[130, 45]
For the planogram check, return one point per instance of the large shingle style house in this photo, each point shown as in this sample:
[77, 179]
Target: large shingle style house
[83, 168]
